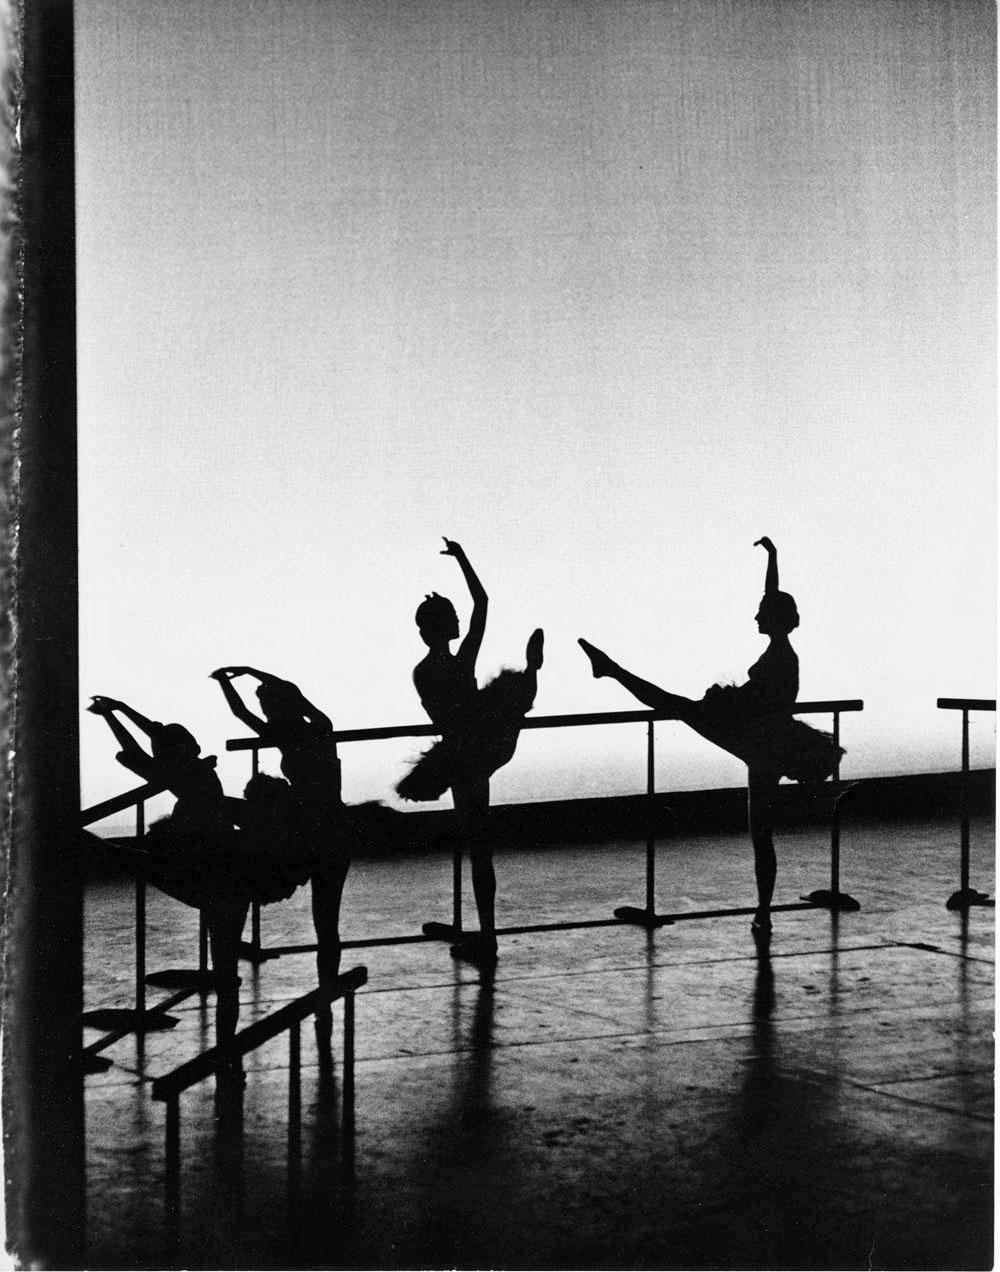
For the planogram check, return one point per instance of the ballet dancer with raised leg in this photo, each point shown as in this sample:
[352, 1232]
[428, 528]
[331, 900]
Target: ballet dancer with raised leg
[752, 721]
[479, 730]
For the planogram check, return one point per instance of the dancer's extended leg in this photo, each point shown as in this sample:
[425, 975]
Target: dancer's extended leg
[649, 694]
[533, 658]
[534, 652]
[472, 806]
[761, 792]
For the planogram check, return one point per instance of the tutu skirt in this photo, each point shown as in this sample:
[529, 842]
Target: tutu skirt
[203, 868]
[773, 742]
[481, 744]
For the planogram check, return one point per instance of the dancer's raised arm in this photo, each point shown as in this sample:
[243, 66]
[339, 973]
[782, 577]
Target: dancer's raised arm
[469, 648]
[225, 677]
[106, 707]
[771, 576]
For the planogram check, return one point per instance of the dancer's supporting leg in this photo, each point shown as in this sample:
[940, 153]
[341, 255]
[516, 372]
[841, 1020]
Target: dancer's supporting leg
[649, 694]
[472, 805]
[225, 921]
[327, 890]
[761, 793]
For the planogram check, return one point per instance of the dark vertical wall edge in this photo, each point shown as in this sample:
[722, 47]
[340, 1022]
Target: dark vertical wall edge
[43, 1084]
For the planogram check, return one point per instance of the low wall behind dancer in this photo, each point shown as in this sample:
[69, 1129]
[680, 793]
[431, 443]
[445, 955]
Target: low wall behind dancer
[752, 721]
[304, 737]
[479, 730]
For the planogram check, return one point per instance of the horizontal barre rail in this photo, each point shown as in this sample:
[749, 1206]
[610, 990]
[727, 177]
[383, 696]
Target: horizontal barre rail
[567, 925]
[532, 722]
[257, 1034]
[118, 803]
[129, 799]
[967, 704]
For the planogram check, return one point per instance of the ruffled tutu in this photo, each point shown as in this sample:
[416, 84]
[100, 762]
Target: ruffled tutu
[203, 868]
[484, 742]
[774, 742]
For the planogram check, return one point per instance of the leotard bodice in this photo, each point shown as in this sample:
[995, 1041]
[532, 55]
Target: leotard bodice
[447, 689]
[773, 681]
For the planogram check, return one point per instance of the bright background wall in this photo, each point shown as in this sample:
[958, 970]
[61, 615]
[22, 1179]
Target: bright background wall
[603, 290]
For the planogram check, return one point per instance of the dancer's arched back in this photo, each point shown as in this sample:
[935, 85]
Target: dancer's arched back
[752, 721]
[479, 730]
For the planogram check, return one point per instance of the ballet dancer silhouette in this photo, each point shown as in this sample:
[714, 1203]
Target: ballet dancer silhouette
[752, 721]
[479, 730]
[194, 853]
[305, 739]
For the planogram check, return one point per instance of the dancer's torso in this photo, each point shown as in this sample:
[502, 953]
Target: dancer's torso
[773, 681]
[309, 761]
[447, 689]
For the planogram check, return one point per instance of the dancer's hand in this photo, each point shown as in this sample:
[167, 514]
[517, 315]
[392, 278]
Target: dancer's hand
[451, 548]
[765, 543]
[100, 705]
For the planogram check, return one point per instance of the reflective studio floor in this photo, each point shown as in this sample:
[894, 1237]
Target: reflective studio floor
[608, 1099]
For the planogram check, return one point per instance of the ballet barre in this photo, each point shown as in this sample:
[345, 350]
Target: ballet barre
[832, 898]
[288, 1019]
[966, 896]
[822, 898]
[141, 1017]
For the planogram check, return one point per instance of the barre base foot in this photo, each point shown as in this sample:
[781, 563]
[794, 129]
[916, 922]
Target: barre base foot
[443, 932]
[129, 1019]
[824, 899]
[642, 918]
[966, 897]
[182, 978]
[96, 1064]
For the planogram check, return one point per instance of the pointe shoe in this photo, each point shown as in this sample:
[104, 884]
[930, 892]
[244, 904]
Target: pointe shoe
[534, 652]
[600, 663]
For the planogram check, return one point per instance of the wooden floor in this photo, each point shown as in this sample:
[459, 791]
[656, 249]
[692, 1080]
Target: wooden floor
[607, 1098]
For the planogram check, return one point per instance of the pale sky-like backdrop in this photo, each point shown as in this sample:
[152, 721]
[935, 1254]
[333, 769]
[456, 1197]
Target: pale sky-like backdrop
[605, 291]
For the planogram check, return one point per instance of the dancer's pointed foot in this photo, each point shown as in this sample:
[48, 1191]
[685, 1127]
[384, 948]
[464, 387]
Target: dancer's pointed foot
[600, 663]
[478, 949]
[534, 652]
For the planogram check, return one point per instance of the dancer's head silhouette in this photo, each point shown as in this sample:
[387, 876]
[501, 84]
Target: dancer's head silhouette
[436, 620]
[778, 614]
[174, 743]
[280, 701]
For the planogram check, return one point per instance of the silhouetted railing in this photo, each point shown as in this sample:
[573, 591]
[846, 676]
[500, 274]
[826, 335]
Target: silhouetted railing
[140, 1018]
[288, 1019]
[646, 916]
[966, 895]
